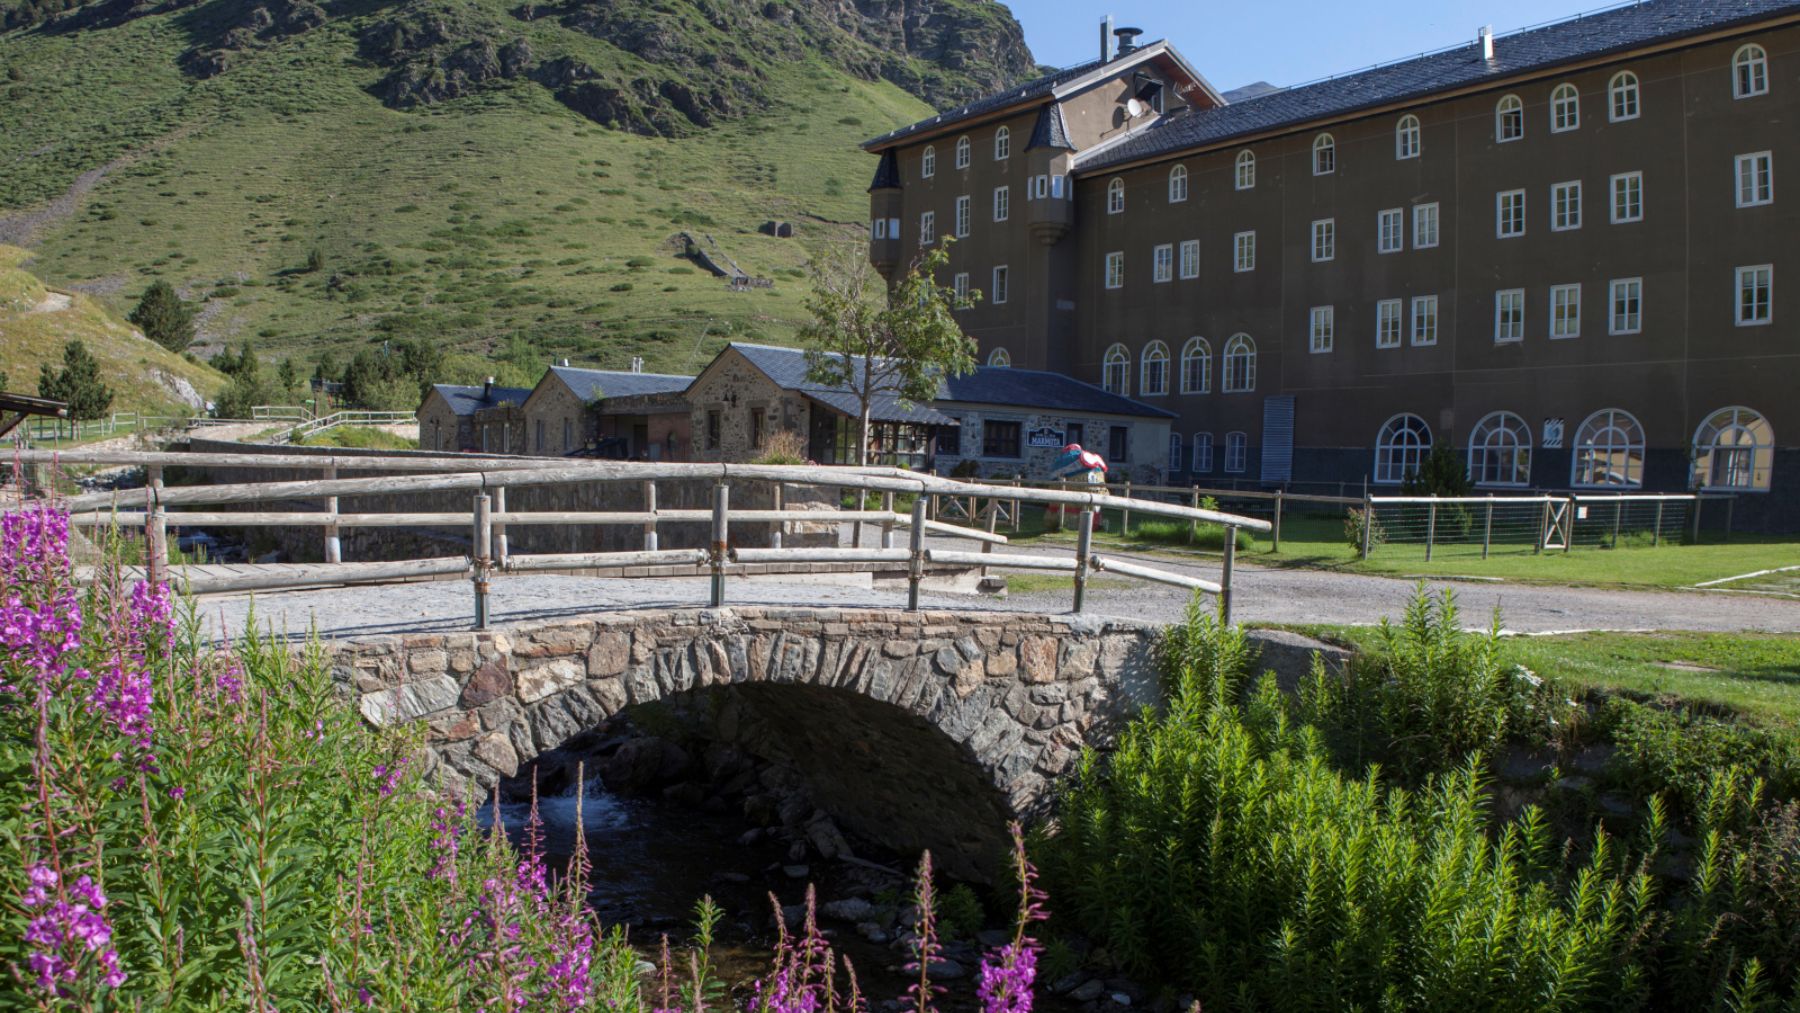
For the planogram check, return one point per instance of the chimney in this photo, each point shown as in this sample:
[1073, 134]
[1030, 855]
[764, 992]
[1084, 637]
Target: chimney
[637, 364]
[565, 363]
[487, 389]
[1106, 38]
[1127, 39]
[1485, 38]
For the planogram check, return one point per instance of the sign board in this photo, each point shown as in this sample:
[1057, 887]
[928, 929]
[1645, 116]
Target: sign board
[1045, 437]
[1553, 434]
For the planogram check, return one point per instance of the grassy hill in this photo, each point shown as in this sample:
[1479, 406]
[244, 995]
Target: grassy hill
[35, 323]
[433, 154]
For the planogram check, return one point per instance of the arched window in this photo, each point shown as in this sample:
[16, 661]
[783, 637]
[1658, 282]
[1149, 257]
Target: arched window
[1153, 373]
[1115, 197]
[962, 152]
[1176, 459]
[928, 162]
[1509, 119]
[1400, 448]
[1239, 368]
[1178, 184]
[1115, 373]
[1609, 451]
[1324, 155]
[1203, 452]
[1734, 449]
[1196, 366]
[1749, 72]
[1246, 170]
[999, 357]
[1406, 137]
[1500, 451]
[1622, 97]
[1002, 144]
[1565, 108]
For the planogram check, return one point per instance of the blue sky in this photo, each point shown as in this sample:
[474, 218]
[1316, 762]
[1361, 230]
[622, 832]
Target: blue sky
[1283, 42]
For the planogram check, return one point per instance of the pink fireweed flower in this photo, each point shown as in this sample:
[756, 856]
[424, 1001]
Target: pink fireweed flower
[65, 928]
[34, 547]
[446, 841]
[387, 779]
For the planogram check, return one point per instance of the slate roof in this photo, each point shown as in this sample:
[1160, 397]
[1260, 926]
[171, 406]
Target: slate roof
[989, 385]
[1603, 33]
[591, 383]
[887, 174]
[1039, 88]
[469, 400]
[1051, 131]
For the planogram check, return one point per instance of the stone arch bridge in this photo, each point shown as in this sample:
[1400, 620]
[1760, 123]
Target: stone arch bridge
[925, 729]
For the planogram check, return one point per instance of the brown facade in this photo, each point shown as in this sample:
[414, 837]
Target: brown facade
[1686, 358]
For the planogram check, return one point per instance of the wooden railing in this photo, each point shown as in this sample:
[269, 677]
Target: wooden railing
[157, 508]
[311, 427]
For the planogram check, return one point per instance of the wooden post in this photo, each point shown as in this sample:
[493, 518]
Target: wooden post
[481, 540]
[156, 532]
[1084, 545]
[334, 544]
[915, 566]
[1730, 507]
[1487, 527]
[1695, 539]
[721, 540]
[987, 548]
[650, 508]
[1569, 527]
[1430, 526]
[1125, 513]
[1656, 532]
[1368, 523]
[887, 526]
[936, 514]
[1618, 519]
[502, 549]
[1194, 526]
[1275, 534]
[1018, 480]
[779, 499]
[1543, 530]
[1225, 574]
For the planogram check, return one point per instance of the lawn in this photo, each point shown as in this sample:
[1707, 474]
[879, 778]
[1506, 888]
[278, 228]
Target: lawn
[360, 438]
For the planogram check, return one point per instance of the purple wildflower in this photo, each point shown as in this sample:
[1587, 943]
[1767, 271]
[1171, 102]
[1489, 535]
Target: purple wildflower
[446, 829]
[387, 778]
[64, 927]
[1009, 974]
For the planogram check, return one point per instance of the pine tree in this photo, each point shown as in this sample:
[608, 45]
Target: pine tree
[165, 318]
[77, 384]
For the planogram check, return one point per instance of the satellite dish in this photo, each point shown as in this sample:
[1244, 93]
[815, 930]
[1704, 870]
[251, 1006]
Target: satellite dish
[1134, 108]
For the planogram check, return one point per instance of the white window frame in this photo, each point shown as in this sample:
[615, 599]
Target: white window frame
[1565, 108]
[1627, 198]
[1196, 350]
[1324, 155]
[962, 152]
[1565, 312]
[1754, 175]
[1762, 311]
[1115, 197]
[1321, 329]
[1244, 170]
[1509, 214]
[1190, 259]
[1115, 269]
[1002, 277]
[1324, 240]
[1243, 252]
[1390, 230]
[928, 162]
[1509, 119]
[1396, 458]
[1625, 436]
[1178, 184]
[1749, 72]
[1002, 203]
[927, 228]
[1203, 453]
[962, 217]
[1002, 144]
[1000, 358]
[1622, 97]
[1406, 138]
[1508, 436]
[1154, 382]
[1425, 321]
[1240, 348]
[959, 288]
[1237, 452]
[1565, 206]
[1389, 322]
[878, 229]
[1509, 316]
[1162, 263]
[1750, 452]
[1177, 453]
[1426, 224]
[1625, 306]
[1119, 360]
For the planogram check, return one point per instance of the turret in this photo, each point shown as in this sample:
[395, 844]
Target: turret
[884, 215]
[1049, 156]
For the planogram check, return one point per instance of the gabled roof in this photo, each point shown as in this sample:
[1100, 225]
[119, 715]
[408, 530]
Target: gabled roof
[589, 384]
[987, 385]
[1051, 131]
[887, 174]
[1591, 36]
[469, 400]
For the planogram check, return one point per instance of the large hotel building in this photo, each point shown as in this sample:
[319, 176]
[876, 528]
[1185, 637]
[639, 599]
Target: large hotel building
[1559, 250]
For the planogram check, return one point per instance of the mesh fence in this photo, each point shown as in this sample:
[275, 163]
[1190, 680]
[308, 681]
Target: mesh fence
[1480, 527]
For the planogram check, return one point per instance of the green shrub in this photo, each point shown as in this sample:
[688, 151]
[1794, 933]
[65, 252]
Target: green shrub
[1354, 522]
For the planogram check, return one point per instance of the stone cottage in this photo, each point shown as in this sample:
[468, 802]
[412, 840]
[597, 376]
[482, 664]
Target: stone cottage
[609, 413]
[447, 416]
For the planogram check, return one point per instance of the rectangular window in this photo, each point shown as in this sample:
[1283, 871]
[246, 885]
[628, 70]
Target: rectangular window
[1509, 316]
[1324, 324]
[1163, 263]
[879, 229]
[1324, 239]
[759, 428]
[927, 228]
[1056, 186]
[1237, 451]
[999, 439]
[1387, 323]
[948, 441]
[1002, 203]
[1190, 258]
[1628, 197]
[538, 433]
[1243, 252]
[1118, 444]
[1115, 270]
[1202, 451]
[1755, 179]
[1075, 432]
[1565, 311]
[1565, 206]
[1425, 226]
[1391, 225]
[1756, 295]
[962, 217]
[712, 429]
[568, 435]
[1425, 320]
[1627, 316]
[997, 294]
[1509, 214]
[1176, 457]
[960, 285]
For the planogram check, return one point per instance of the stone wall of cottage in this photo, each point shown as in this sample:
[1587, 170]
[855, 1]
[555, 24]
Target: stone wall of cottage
[735, 389]
[1148, 443]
